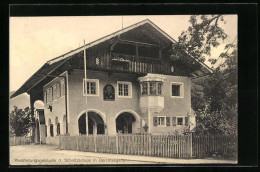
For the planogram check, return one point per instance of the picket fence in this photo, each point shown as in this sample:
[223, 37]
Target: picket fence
[175, 146]
[22, 140]
[208, 145]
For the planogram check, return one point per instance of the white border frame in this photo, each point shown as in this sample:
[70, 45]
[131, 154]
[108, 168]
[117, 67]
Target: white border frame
[181, 89]
[130, 88]
[97, 87]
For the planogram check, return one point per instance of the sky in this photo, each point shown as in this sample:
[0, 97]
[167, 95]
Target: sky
[35, 40]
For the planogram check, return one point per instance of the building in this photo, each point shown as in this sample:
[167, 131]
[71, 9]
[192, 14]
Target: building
[132, 86]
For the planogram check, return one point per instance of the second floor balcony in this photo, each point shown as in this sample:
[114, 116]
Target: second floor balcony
[141, 64]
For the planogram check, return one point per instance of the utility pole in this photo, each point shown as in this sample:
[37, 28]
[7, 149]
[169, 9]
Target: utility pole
[86, 91]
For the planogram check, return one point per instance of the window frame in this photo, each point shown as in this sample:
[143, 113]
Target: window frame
[181, 84]
[158, 121]
[155, 86]
[97, 87]
[129, 89]
[183, 121]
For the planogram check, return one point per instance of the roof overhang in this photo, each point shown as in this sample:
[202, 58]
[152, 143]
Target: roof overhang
[55, 63]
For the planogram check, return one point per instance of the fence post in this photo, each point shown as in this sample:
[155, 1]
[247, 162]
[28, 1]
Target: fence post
[117, 143]
[14, 140]
[191, 145]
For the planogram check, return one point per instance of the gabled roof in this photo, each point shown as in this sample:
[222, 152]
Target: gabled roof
[54, 63]
[155, 30]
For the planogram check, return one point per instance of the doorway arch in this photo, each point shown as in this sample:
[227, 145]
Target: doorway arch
[95, 121]
[127, 122]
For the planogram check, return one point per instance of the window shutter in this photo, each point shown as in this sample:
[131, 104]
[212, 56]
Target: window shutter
[186, 121]
[155, 122]
[173, 121]
[168, 121]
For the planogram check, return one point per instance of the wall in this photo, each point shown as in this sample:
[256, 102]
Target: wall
[110, 109]
[172, 106]
[58, 109]
[77, 102]
[53, 140]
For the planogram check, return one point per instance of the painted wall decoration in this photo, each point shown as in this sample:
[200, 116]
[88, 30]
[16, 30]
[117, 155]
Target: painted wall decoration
[109, 93]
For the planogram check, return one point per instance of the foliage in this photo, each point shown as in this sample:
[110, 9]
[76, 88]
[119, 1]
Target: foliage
[203, 35]
[20, 121]
[214, 98]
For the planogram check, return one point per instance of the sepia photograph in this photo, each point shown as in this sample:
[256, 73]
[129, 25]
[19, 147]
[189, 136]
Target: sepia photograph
[123, 89]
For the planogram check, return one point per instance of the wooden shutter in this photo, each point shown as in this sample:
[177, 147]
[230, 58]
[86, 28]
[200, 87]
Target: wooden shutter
[155, 121]
[186, 121]
[168, 121]
[173, 121]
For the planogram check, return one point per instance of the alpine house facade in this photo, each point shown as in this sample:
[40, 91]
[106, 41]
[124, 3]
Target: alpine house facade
[131, 86]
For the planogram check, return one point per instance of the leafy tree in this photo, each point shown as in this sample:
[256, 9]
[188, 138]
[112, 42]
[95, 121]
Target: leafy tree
[20, 121]
[203, 35]
[214, 98]
[217, 112]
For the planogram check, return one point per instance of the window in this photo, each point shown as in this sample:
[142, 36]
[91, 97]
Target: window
[151, 88]
[54, 88]
[92, 87]
[159, 88]
[180, 121]
[144, 86]
[58, 129]
[58, 90]
[177, 90]
[48, 95]
[62, 87]
[51, 94]
[124, 89]
[51, 130]
[161, 121]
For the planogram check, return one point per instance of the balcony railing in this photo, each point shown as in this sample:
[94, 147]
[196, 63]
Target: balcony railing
[131, 63]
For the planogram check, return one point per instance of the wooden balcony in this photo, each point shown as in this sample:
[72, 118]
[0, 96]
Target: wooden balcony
[130, 64]
[134, 64]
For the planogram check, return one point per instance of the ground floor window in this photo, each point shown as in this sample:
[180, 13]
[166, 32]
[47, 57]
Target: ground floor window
[51, 130]
[180, 121]
[58, 129]
[161, 121]
[45, 130]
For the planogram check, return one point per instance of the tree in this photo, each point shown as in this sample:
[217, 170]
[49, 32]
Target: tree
[203, 35]
[218, 112]
[214, 98]
[20, 121]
